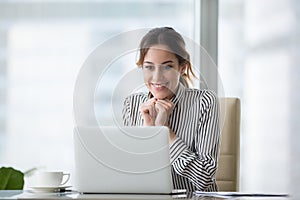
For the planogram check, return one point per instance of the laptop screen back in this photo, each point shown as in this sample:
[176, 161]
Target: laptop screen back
[122, 160]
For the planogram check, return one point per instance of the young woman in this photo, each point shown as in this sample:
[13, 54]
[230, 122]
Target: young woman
[191, 115]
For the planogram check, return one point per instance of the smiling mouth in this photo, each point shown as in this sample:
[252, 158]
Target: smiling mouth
[159, 85]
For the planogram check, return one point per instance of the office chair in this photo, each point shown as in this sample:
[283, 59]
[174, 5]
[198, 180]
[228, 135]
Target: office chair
[228, 165]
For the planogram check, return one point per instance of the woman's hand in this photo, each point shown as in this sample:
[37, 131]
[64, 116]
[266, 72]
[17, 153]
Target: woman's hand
[156, 113]
[148, 112]
[163, 109]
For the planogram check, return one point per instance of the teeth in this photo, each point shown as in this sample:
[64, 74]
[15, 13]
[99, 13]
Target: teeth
[159, 85]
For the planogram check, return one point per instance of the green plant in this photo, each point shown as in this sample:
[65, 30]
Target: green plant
[12, 179]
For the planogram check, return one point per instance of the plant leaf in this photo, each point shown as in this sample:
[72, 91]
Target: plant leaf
[11, 179]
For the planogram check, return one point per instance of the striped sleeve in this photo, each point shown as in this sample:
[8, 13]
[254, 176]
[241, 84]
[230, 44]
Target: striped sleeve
[200, 164]
[126, 112]
[130, 113]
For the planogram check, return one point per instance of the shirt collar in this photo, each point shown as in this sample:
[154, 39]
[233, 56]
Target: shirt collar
[178, 94]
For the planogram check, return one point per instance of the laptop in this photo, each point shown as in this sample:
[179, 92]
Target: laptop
[123, 160]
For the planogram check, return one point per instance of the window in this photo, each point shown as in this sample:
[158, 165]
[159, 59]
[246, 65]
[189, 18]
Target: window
[42, 48]
[257, 62]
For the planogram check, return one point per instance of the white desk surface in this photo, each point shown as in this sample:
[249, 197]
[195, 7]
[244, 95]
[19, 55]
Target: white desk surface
[28, 195]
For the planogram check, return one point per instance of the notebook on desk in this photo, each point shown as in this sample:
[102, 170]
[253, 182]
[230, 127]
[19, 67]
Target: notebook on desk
[122, 160]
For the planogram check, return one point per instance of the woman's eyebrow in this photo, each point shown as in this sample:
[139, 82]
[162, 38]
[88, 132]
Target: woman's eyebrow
[168, 61]
[148, 62]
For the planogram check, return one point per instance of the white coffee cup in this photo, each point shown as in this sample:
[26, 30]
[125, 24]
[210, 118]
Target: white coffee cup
[51, 179]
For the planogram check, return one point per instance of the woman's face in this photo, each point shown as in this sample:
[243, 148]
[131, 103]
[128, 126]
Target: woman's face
[161, 72]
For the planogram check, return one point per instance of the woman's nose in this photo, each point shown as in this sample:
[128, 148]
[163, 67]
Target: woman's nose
[157, 75]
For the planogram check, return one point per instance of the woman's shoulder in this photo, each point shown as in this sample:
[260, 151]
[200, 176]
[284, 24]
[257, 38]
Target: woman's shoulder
[206, 98]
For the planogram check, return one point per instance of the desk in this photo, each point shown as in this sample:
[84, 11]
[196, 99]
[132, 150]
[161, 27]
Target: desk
[27, 195]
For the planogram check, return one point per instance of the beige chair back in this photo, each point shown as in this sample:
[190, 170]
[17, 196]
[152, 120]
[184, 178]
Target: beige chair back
[228, 166]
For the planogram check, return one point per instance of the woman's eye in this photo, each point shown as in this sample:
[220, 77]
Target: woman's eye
[149, 67]
[167, 67]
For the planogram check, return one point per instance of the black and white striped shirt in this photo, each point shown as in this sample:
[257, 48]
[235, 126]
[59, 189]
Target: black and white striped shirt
[195, 121]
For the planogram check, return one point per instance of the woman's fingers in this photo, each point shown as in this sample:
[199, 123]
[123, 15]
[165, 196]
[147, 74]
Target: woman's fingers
[163, 108]
[149, 107]
[148, 111]
[156, 112]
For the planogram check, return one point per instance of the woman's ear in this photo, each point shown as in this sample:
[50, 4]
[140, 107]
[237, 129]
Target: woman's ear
[183, 68]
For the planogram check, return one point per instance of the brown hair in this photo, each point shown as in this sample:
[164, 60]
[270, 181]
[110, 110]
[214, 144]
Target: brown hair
[174, 41]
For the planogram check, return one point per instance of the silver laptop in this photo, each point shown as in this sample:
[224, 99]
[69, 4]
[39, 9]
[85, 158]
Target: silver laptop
[122, 160]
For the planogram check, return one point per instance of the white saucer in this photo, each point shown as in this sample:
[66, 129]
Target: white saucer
[49, 189]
